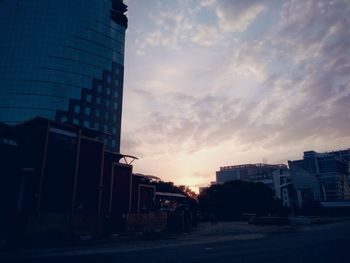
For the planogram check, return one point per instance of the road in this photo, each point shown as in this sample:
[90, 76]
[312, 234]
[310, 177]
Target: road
[327, 243]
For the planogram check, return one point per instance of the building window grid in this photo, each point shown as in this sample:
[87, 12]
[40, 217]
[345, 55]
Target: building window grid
[76, 109]
[109, 79]
[87, 111]
[88, 98]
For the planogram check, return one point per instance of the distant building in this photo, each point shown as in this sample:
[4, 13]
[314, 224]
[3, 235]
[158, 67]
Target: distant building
[321, 176]
[276, 176]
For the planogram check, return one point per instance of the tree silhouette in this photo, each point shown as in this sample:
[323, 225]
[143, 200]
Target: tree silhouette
[231, 199]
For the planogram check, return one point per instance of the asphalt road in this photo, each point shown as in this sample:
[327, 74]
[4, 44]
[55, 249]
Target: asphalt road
[328, 243]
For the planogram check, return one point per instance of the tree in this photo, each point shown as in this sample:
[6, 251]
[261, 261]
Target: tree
[230, 200]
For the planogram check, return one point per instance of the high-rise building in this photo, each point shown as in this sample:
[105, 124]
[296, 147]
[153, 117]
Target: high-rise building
[63, 60]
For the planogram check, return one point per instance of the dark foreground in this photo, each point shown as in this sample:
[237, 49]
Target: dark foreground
[327, 243]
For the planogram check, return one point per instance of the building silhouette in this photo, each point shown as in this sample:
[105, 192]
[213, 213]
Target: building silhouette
[63, 60]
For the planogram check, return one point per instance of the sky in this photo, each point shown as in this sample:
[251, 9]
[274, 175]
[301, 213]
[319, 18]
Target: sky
[210, 83]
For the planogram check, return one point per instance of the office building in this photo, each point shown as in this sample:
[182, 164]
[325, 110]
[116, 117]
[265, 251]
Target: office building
[276, 176]
[321, 176]
[63, 60]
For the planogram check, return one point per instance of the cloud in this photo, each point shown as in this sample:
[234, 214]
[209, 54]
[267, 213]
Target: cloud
[178, 24]
[249, 60]
[318, 43]
[236, 16]
[272, 95]
[207, 2]
[202, 123]
[172, 26]
[154, 39]
[206, 36]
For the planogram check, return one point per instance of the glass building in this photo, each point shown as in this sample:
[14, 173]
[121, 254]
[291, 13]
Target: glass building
[63, 60]
[322, 176]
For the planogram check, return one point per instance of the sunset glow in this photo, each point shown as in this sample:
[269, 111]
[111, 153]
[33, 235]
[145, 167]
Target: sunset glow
[210, 83]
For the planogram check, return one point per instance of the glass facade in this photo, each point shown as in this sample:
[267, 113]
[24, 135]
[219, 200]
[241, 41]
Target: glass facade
[326, 175]
[63, 60]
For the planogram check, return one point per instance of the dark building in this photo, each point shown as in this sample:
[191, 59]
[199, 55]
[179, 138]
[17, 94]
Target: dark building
[54, 172]
[321, 176]
[64, 61]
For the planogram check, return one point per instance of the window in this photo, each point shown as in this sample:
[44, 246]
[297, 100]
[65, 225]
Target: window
[106, 115]
[115, 105]
[116, 94]
[76, 109]
[97, 126]
[63, 119]
[116, 82]
[86, 123]
[108, 91]
[97, 113]
[109, 79]
[114, 130]
[99, 88]
[114, 117]
[87, 111]
[105, 128]
[98, 100]
[76, 121]
[113, 143]
[88, 98]
[107, 103]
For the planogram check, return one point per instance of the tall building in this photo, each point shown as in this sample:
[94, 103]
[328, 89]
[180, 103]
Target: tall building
[63, 60]
[321, 176]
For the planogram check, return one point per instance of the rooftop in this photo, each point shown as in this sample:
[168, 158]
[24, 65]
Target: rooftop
[256, 165]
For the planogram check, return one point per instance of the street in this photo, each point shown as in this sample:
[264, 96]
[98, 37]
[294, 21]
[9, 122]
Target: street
[326, 243]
